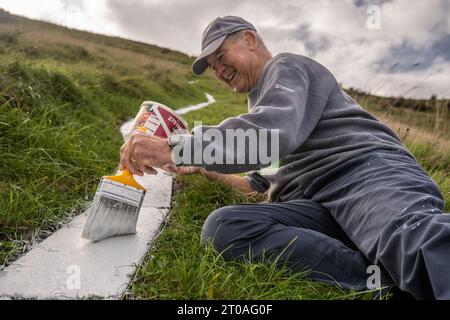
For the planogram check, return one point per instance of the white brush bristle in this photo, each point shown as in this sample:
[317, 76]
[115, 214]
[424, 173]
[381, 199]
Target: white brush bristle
[114, 214]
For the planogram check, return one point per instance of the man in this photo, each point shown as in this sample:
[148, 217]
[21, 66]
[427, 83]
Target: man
[347, 193]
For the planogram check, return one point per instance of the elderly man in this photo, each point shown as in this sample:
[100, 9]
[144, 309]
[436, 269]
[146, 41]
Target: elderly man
[347, 193]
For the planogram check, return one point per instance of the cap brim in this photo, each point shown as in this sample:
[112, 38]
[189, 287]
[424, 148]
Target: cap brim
[200, 64]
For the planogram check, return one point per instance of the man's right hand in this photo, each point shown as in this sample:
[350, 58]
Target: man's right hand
[142, 153]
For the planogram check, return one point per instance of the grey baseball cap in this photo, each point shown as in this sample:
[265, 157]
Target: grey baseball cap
[214, 35]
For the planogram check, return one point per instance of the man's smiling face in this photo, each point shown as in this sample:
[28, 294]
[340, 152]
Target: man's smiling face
[232, 63]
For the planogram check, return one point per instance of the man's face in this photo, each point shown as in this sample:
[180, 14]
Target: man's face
[232, 64]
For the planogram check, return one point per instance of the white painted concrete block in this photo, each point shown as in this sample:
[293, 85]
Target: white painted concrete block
[159, 189]
[65, 266]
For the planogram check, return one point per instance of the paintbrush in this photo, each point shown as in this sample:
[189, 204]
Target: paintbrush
[117, 202]
[115, 208]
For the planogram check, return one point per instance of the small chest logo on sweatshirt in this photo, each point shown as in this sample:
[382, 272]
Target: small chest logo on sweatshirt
[280, 86]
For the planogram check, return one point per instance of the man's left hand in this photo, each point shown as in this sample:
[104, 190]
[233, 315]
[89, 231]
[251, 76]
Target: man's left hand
[142, 153]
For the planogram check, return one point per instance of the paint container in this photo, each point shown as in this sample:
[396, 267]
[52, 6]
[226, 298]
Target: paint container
[119, 198]
[157, 119]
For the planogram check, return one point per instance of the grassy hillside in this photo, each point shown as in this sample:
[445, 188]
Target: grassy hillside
[64, 94]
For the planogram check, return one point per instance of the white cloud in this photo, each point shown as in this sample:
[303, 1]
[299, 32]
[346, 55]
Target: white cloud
[81, 14]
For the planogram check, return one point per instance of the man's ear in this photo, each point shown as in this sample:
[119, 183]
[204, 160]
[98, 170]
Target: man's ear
[250, 39]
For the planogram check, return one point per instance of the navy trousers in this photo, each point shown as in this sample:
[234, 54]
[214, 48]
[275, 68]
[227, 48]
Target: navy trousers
[379, 208]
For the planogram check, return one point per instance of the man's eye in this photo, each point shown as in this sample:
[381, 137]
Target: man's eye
[220, 57]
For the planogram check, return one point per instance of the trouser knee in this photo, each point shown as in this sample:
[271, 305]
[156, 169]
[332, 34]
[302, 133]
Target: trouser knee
[214, 228]
[231, 230]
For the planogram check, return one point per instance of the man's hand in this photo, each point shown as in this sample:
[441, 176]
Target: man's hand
[142, 153]
[184, 170]
[233, 180]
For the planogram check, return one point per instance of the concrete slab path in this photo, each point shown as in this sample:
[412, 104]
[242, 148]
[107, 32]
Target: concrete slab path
[65, 266]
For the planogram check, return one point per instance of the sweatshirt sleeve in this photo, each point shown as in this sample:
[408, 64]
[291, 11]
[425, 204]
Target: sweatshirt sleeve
[285, 108]
[257, 181]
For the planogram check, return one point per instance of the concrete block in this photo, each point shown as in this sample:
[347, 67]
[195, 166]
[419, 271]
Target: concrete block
[65, 266]
[159, 189]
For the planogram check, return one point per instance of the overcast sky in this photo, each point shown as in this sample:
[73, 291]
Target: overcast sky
[397, 47]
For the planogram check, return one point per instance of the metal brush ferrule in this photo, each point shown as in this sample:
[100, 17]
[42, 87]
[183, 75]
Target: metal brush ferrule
[120, 192]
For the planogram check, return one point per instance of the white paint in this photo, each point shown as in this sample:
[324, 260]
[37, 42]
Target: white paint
[159, 189]
[197, 106]
[124, 128]
[66, 266]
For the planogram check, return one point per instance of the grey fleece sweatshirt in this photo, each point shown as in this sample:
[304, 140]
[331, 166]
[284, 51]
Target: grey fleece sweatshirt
[319, 126]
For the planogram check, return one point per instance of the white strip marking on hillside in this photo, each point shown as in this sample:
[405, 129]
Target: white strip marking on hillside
[65, 266]
[197, 106]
